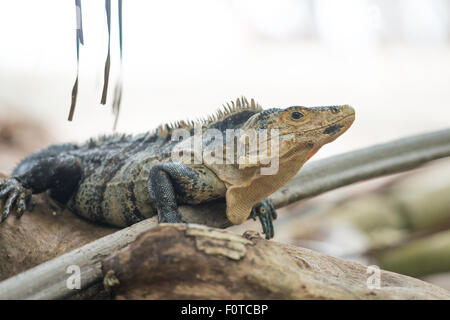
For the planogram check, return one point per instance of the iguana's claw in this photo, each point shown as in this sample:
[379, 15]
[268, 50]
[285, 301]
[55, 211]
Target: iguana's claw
[266, 213]
[14, 194]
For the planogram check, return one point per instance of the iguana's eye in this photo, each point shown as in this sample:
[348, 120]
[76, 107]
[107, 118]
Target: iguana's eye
[296, 115]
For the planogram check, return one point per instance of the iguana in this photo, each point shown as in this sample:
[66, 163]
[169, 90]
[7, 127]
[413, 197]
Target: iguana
[122, 179]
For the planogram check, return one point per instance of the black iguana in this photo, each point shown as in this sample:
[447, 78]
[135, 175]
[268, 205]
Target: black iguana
[122, 179]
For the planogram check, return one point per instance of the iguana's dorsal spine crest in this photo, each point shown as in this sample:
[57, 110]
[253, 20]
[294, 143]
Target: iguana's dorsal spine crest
[166, 130]
[228, 109]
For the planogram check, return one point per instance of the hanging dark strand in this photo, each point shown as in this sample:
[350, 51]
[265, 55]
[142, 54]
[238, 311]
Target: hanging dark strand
[79, 39]
[118, 90]
[117, 101]
[120, 28]
[108, 58]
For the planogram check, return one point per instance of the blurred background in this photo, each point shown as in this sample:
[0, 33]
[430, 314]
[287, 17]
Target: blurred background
[390, 59]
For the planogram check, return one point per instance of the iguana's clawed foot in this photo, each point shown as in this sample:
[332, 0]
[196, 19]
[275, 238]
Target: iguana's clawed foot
[16, 195]
[266, 213]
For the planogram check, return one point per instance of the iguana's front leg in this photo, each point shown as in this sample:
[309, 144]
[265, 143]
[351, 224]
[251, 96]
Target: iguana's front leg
[161, 187]
[170, 182]
[59, 174]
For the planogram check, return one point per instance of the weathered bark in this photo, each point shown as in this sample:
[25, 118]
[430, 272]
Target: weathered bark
[191, 262]
[48, 280]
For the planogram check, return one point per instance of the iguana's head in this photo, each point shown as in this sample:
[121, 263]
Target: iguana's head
[301, 132]
[302, 127]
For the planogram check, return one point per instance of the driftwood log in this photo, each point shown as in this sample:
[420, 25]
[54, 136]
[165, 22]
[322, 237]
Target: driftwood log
[192, 262]
[195, 262]
[40, 236]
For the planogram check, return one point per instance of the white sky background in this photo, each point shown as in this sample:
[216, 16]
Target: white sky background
[183, 59]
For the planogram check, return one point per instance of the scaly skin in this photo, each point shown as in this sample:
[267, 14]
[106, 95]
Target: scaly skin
[120, 180]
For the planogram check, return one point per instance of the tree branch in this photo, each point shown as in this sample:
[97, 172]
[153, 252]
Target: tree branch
[393, 157]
